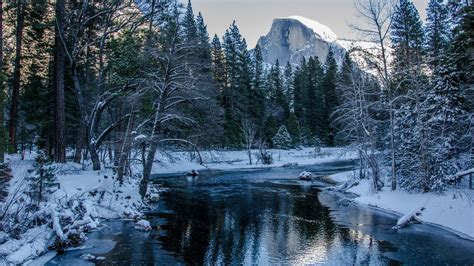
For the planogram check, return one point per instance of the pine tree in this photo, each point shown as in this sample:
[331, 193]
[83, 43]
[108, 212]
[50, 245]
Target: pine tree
[282, 139]
[407, 39]
[294, 129]
[314, 102]
[238, 89]
[191, 30]
[437, 31]
[202, 30]
[257, 104]
[275, 91]
[218, 66]
[299, 92]
[259, 78]
[344, 75]
[330, 97]
[288, 84]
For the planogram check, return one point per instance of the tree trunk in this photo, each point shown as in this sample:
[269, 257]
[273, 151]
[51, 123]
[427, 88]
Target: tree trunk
[20, 21]
[392, 146]
[80, 144]
[148, 164]
[249, 153]
[125, 148]
[152, 15]
[94, 158]
[60, 62]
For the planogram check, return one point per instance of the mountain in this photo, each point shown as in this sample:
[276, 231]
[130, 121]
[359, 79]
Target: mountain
[292, 38]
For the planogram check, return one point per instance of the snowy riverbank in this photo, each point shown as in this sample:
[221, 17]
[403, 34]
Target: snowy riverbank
[181, 162]
[452, 210]
[73, 204]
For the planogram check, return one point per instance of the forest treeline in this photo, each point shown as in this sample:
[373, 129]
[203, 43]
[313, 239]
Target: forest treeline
[100, 80]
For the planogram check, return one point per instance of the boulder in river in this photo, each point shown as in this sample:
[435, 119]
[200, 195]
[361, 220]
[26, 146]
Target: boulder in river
[305, 176]
[192, 173]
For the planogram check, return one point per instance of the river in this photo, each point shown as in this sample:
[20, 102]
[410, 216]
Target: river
[260, 217]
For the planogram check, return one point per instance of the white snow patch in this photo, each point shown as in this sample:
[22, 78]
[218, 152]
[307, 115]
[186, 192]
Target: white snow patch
[453, 210]
[321, 30]
[342, 177]
[143, 225]
[179, 162]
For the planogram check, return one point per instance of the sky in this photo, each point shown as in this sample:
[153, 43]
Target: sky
[254, 17]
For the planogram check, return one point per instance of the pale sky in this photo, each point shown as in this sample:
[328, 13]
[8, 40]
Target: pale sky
[254, 17]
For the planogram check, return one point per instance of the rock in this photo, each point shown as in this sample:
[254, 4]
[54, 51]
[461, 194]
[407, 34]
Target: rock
[294, 38]
[87, 256]
[154, 197]
[305, 175]
[192, 173]
[143, 225]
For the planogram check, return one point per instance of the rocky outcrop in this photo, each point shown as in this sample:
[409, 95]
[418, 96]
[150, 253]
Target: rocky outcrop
[294, 38]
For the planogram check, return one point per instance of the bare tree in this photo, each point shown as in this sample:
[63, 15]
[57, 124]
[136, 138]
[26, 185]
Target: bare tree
[112, 17]
[355, 115]
[172, 84]
[377, 18]
[249, 130]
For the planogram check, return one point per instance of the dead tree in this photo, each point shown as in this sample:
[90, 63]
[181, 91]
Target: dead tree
[249, 130]
[377, 17]
[172, 85]
[358, 126]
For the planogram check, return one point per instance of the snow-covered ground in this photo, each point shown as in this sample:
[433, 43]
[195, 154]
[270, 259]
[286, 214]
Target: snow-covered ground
[179, 162]
[77, 204]
[452, 210]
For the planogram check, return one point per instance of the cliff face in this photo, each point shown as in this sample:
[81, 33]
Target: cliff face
[294, 38]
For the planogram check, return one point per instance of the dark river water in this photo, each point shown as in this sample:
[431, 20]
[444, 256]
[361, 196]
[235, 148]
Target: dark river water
[266, 217]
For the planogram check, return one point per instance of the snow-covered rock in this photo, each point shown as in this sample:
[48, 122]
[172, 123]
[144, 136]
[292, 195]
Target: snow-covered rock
[143, 225]
[305, 175]
[87, 256]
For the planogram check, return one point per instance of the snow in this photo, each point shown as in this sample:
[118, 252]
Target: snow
[323, 31]
[179, 162]
[342, 177]
[83, 198]
[32, 244]
[453, 210]
[143, 225]
[306, 175]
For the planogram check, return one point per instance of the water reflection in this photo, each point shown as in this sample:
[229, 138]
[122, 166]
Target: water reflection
[257, 224]
[269, 217]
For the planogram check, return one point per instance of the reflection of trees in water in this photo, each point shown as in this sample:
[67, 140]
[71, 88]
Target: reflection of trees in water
[253, 225]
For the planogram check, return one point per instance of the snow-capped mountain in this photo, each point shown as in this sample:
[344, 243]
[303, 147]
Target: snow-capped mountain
[292, 38]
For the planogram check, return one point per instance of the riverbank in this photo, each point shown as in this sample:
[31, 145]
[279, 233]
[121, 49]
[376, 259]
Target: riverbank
[43, 213]
[180, 162]
[452, 211]
[79, 199]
